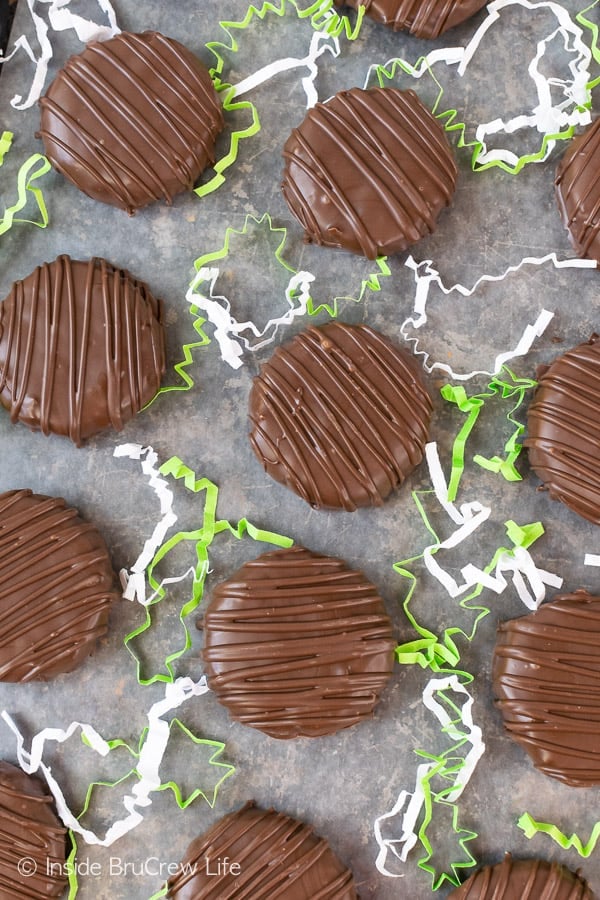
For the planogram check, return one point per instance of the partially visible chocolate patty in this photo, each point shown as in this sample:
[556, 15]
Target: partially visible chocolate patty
[131, 120]
[368, 171]
[269, 856]
[297, 644]
[546, 678]
[423, 18]
[56, 589]
[563, 429]
[82, 348]
[524, 879]
[578, 191]
[340, 415]
[32, 839]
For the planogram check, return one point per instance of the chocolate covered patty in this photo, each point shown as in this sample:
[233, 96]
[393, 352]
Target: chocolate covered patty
[546, 677]
[563, 424]
[423, 18]
[523, 879]
[368, 171]
[270, 856]
[297, 644]
[131, 120]
[32, 839]
[82, 348]
[340, 415]
[56, 587]
[578, 191]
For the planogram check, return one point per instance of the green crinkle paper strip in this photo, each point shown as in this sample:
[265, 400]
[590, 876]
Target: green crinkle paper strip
[32, 169]
[531, 827]
[202, 538]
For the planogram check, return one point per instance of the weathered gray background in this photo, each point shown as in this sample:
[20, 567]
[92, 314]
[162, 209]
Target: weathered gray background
[340, 783]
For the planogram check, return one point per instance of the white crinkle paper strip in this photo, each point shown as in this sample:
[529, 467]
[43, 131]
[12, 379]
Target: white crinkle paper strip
[61, 18]
[147, 767]
[410, 803]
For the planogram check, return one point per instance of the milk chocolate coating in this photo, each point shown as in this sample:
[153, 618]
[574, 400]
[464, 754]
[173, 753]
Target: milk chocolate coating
[82, 348]
[279, 858]
[368, 171]
[340, 415]
[524, 879]
[29, 830]
[131, 120]
[423, 18]
[56, 587]
[297, 644]
[578, 191]
[546, 676]
[563, 424]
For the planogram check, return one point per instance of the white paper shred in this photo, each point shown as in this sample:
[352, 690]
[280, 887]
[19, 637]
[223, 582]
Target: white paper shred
[229, 333]
[409, 804]
[591, 559]
[320, 43]
[61, 18]
[426, 275]
[546, 117]
[147, 767]
[133, 580]
[529, 581]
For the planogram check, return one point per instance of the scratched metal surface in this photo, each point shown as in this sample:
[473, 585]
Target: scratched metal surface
[340, 783]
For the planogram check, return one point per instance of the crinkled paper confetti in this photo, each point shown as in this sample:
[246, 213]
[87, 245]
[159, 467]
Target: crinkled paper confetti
[32, 169]
[158, 546]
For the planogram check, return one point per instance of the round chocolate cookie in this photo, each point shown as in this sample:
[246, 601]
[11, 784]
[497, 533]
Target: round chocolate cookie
[297, 644]
[261, 855]
[368, 171]
[32, 839]
[523, 879]
[131, 119]
[425, 19]
[340, 415]
[546, 678]
[56, 588]
[82, 348]
[578, 191]
[563, 425]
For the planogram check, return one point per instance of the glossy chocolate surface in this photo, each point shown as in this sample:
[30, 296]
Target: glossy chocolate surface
[131, 120]
[297, 644]
[30, 831]
[423, 18]
[273, 856]
[578, 191]
[340, 415]
[546, 678]
[56, 589]
[563, 425]
[368, 171]
[82, 348]
[523, 879]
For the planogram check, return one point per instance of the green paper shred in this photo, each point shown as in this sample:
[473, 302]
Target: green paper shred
[321, 16]
[32, 169]
[531, 827]
[202, 538]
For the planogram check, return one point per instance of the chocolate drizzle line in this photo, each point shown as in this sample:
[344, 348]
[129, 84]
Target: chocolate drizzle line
[29, 829]
[297, 644]
[82, 348]
[131, 119]
[423, 18]
[279, 858]
[56, 587]
[564, 429]
[340, 415]
[524, 879]
[547, 680]
[368, 171]
[578, 191]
